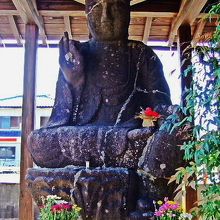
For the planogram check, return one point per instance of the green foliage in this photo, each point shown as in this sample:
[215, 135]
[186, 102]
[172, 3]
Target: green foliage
[211, 203]
[216, 37]
[202, 111]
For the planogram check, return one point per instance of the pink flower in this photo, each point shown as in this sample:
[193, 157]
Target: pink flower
[158, 213]
[56, 208]
[169, 205]
[168, 209]
[67, 206]
[60, 207]
[175, 207]
[41, 206]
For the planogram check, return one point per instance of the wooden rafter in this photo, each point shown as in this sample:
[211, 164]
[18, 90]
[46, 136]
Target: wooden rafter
[8, 12]
[189, 11]
[137, 14]
[198, 31]
[28, 11]
[14, 29]
[134, 2]
[67, 24]
[147, 28]
[195, 11]
[61, 13]
[80, 1]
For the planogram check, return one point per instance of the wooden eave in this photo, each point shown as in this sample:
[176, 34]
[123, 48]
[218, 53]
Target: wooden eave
[151, 20]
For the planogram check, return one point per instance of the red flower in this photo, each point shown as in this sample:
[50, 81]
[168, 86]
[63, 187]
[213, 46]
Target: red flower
[151, 113]
[67, 206]
[60, 207]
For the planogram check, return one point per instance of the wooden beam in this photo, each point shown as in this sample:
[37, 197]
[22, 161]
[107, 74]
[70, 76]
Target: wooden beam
[144, 14]
[198, 31]
[177, 21]
[147, 29]
[185, 53]
[189, 11]
[60, 13]
[184, 48]
[28, 114]
[67, 24]
[80, 1]
[21, 10]
[28, 11]
[134, 2]
[15, 29]
[53, 13]
[205, 15]
[194, 12]
[8, 12]
[191, 199]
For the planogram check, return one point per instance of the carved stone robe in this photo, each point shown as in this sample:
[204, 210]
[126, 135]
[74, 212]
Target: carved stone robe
[122, 75]
[91, 122]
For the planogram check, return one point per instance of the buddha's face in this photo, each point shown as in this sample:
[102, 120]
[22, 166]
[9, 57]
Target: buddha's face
[108, 20]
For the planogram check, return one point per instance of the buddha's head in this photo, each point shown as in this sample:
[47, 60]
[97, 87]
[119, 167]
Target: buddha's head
[108, 20]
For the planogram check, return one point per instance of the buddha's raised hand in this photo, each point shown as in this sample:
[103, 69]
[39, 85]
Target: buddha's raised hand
[71, 61]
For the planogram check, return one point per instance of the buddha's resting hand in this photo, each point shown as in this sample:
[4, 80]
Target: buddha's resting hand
[71, 61]
[144, 133]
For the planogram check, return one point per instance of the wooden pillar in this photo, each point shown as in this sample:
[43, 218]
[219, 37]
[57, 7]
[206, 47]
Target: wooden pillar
[184, 48]
[28, 113]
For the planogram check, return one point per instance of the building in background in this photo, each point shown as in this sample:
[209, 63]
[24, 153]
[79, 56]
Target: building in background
[10, 132]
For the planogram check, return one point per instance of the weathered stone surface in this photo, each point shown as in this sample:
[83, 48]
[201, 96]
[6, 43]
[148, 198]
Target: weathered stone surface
[101, 146]
[161, 155]
[102, 85]
[102, 193]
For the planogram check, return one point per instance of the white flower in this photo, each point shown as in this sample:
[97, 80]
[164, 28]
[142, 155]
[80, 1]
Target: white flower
[53, 197]
[185, 216]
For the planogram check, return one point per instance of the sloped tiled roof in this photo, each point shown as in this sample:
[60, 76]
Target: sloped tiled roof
[151, 20]
[42, 101]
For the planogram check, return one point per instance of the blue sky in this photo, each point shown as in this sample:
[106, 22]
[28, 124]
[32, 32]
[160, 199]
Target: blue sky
[11, 74]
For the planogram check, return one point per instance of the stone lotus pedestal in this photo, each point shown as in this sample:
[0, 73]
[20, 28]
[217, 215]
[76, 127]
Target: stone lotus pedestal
[109, 193]
[102, 193]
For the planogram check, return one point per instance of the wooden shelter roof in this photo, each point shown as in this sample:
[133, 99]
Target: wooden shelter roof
[151, 20]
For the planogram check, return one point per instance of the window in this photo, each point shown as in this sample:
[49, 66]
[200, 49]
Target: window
[7, 122]
[15, 122]
[7, 152]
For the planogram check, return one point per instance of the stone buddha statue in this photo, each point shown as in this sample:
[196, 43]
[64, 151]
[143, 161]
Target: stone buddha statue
[102, 85]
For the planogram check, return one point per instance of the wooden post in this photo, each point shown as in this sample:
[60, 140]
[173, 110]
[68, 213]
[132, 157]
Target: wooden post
[184, 48]
[28, 112]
